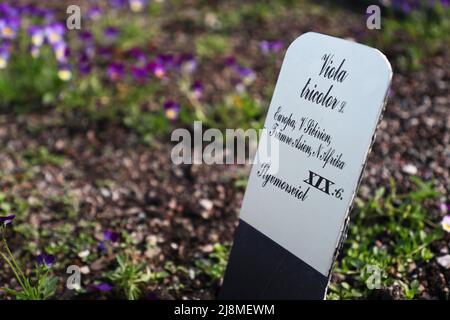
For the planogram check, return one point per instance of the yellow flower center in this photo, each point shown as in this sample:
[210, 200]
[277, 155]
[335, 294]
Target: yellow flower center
[446, 226]
[60, 53]
[54, 37]
[3, 63]
[136, 6]
[171, 114]
[7, 31]
[37, 39]
[64, 75]
[159, 73]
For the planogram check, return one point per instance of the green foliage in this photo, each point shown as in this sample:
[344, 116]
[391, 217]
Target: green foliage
[42, 156]
[415, 35]
[41, 286]
[129, 277]
[9, 202]
[237, 111]
[391, 232]
[214, 266]
[212, 45]
[29, 84]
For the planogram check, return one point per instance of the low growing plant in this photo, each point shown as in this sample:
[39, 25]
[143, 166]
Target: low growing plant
[129, 277]
[392, 233]
[42, 285]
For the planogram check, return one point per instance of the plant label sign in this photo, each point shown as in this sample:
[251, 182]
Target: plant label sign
[326, 105]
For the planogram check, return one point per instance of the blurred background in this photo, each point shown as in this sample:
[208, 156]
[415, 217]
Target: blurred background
[85, 122]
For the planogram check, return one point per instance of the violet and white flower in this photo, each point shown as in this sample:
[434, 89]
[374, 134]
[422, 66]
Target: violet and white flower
[187, 63]
[116, 71]
[7, 219]
[247, 75]
[137, 5]
[157, 69]
[446, 223]
[197, 89]
[61, 50]
[4, 54]
[37, 34]
[64, 72]
[54, 33]
[9, 26]
[45, 259]
[172, 110]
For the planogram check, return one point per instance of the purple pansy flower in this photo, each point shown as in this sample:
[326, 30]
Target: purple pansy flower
[7, 219]
[61, 51]
[172, 110]
[137, 53]
[37, 34]
[111, 33]
[267, 47]
[104, 52]
[116, 71]
[84, 65]
[197, 89]
[94, 13]
[276, 46]
[139, 73]
[264, 46]
[86, 36]
[103, 287]
[187, 63]
[117, 3]
[45, 259]
[446, 223]
[54, 32]
[101, 247]
[7, 10]
[110, 236]
[166, 60]
[157, 69]
[9, 27]
[64, 72]
[230, 61]
[247, 75]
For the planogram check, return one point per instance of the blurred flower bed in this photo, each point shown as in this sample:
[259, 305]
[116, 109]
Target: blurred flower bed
[79, 184]
[110, 69]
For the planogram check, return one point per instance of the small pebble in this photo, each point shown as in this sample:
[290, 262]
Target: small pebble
[85, 270]
[83, 254]
[206, 204]
[444, 261]
[410, 169]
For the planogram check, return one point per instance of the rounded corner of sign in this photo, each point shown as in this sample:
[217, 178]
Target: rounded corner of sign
[301, 38]
[307, 35]
[385, 62]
